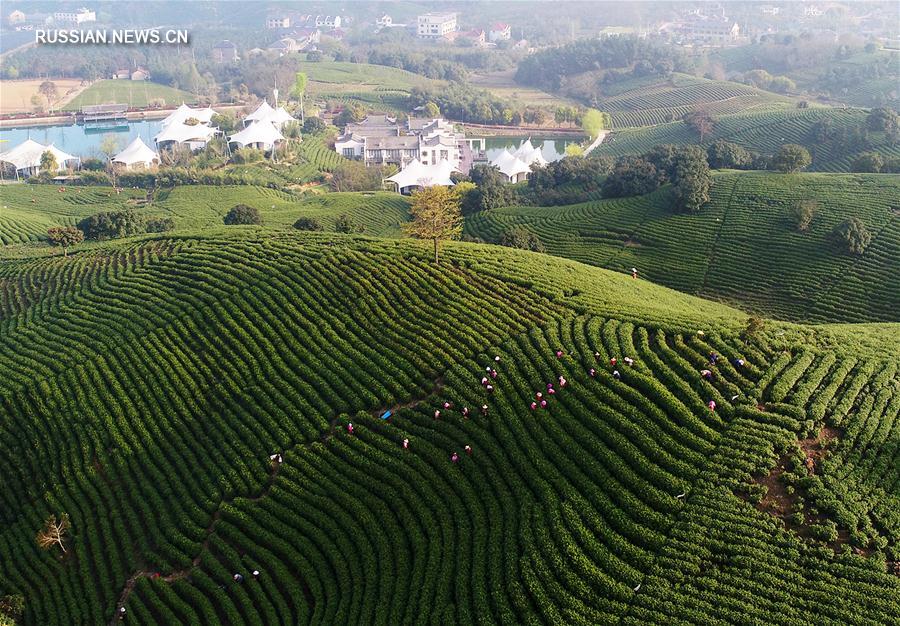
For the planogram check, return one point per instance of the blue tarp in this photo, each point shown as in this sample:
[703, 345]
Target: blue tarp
[386, 415]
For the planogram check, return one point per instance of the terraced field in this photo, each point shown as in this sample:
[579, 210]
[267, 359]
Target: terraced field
[193, 206]
[762, 132]
[378, 86]
[741, 247]
[146, 384]
[130, 92]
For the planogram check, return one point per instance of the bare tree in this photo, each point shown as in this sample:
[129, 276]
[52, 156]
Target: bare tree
[54, 532]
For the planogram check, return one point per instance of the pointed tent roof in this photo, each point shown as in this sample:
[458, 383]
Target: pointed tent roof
[28, 154]
[277, 117]
[181, 133]
[184, 112]
[529, 154]
[510, 165]
[263, 110]
[416, 174]
[136, 152]
[257, 132]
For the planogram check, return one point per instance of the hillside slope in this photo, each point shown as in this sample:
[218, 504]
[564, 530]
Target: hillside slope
[145, 386]
[741, 247]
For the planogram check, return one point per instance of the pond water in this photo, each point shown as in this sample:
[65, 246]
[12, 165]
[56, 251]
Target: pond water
[552, 149]
[85, 142]
[78, 140]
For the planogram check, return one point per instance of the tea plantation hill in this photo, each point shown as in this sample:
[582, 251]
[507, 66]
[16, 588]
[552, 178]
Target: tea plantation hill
[741, 247]
[765, 132]
[144, 385]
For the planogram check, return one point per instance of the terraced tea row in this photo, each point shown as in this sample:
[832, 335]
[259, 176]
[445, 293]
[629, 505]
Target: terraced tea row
[144, 397]
[741, 247]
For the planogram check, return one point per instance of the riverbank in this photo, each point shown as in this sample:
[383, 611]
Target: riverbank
[66, 119]
[490, 130]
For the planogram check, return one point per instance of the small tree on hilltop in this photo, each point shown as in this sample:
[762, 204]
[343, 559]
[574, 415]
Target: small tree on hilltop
[701, 122]
[802, 214]
[523, 238]
[54, 532]
[791, 158]
[851, 236]
[435, 215]
[48, 162]
[65, 237]
[242, 214]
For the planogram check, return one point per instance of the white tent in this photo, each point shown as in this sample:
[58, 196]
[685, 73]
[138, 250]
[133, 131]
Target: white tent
[514, 168]
[136, 155]
[258, 135]
[184, 112]
[528, 154]
[416, 174]
[263, 110]
[26, 157]
[196, 136]
[279, 117]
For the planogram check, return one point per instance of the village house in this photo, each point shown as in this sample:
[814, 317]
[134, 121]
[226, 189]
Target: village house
[224, 52]
[436, 25]
[15, 17]
[710, 31]
[277, 22]
[500, 32]
[122, 74]
[75, 17]
[328, 21]
[140, 74]
[475, 36]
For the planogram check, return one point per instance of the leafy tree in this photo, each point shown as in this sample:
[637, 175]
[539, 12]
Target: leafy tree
[432, 110]
[758, 78]
[492, 190]
[37, 103]
[92, 165]
[226, 122]
[54, 532]
[160, 224]
[112, 225]
[523, 238]
[791, 158]
[314, 56]
[357, 177]
[722, 154]
[851, 236]
[314, 125]
[802, 213]
[48, 162]
[435, 215]
[299, 90]
[701, 122]
[347, 225]
[65, 237]
[574, 150]
[49, 91]
[632, 176]
[109, 147]
[308, 223]
[352, 112]
[691, 180]
[593, 121]
[782, 84]
[242, 214]
[883, 119]
[870, 162]
[11, 609]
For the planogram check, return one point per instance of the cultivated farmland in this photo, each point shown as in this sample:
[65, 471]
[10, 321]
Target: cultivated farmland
[134, 93]
[159, 377]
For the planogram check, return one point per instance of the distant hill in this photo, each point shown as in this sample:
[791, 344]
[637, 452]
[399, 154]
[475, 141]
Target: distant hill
[833, 148]
[741, 248]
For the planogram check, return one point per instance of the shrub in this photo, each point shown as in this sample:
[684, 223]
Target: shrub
[241, 214]
[868, 162]
[802, 213]
[346, 224]
[160, 224]
[632, 176]
[851, 236]
[726, 155]
[112, 225]
[314, 125]
[791, 158]
[248, 155]
[92, 165]
[523, 238]
[308, 223]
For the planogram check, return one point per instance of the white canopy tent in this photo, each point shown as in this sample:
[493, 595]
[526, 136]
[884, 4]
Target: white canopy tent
[184, 113]
[137, 155]
[26, 157]
[263, 110]
[528, 154]
[259, 134]
[278, 118]
[195, 136]
[514, 168]
[416, 174]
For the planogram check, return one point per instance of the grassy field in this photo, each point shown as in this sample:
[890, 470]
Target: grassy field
[195, 206]
[131, 92]
[376, 86]
[147, 383]
[502, 85]
[741, 247]
[763, 132]
[15, 96]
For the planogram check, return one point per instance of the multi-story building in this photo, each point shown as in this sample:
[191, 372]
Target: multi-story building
[436, 25]
[500, 32]
[75, 17]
